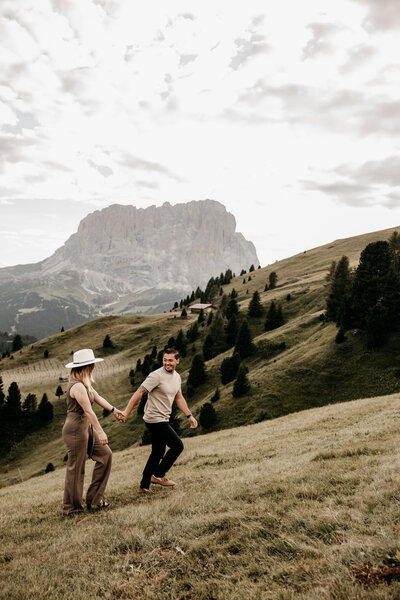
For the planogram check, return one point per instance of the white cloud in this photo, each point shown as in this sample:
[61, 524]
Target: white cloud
[116, 101]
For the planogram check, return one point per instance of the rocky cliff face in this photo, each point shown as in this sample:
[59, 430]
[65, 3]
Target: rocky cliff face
[178, 246]
[123, 259]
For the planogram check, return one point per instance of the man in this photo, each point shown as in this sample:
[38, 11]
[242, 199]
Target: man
[163, 387]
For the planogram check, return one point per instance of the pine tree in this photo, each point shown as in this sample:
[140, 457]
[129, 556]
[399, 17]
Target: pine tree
[197, 373]
[231, 331]
[45, 410]
[193, 333]
[17, 343]
[255, 306]
[244, 344]
[232, 308]
[200, 318]
[242, 384]
[208, 347]
[30, 404]
[223, 305]
[210, 319]
[273, 278]
[183, 349]
[274, 317]
[107, 343]
[252, 268]
[12, 406]
[339, 289]
[217, 331]
[138, 365]
[279, 316]
[184, 314]
[374, 281]
[179, 340]
[208, 416]
[376, 325]
[229, 368]
[234, 293]
[227, 277]
[59, 391]
[394, 243]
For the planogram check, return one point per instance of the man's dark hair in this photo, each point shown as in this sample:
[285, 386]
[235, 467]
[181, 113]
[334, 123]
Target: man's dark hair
[171, 351]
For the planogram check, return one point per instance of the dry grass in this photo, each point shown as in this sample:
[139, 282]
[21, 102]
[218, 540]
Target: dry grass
[286, 509]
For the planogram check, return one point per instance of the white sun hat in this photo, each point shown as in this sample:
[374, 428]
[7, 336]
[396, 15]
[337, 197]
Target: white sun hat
[82, 358]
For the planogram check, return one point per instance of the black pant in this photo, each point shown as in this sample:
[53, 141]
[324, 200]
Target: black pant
[162, 435]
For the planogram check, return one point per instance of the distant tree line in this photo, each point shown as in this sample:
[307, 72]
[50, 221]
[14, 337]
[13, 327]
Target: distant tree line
[12, 343]
[212, 289]
[229, 328]
[367, 298]
[19, 418]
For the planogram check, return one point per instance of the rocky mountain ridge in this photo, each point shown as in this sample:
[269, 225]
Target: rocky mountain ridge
[123, 260]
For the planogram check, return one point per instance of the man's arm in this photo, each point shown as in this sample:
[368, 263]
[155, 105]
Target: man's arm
[182, 405]
[135, 399]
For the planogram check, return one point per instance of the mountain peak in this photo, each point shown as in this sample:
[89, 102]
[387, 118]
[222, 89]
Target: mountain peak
[124, 259]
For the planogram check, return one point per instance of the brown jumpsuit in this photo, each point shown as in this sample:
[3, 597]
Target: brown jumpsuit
[81, 440]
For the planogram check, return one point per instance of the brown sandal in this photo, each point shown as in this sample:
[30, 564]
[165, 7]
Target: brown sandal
[103, 504]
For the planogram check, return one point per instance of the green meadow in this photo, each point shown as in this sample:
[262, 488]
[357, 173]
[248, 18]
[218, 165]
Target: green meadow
[294, 493]
[306, 506]
[310, 370]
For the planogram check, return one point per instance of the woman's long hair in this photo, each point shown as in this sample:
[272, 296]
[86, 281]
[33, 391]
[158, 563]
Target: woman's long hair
[85, 376]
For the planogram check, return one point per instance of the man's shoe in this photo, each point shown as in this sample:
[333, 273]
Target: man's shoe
[162, 481]
[144, 491]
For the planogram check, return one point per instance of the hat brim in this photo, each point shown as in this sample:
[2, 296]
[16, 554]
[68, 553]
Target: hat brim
[73, 365]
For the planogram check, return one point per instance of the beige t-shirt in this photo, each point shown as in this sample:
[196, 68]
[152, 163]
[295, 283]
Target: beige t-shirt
[162, 388]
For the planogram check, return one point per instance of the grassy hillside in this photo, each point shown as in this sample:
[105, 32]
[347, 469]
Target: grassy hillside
[312, 370]
[304, 507]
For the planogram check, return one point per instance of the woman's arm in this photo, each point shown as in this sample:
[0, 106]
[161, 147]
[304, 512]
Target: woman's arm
[80, 394]
[105, 404]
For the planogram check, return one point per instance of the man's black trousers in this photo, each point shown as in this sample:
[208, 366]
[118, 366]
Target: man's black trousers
[162, 435]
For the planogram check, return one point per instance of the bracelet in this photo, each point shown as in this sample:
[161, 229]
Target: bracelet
[188, 416]
[112, 410]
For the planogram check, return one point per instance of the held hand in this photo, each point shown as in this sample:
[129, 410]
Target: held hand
[103, 439]
[119, 415]
[192, 422]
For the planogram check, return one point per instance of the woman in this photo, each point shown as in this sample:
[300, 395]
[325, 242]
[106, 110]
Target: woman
[83, 434]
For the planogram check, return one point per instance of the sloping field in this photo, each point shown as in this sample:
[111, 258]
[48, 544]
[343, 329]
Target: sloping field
[302, 507]
[309, 370]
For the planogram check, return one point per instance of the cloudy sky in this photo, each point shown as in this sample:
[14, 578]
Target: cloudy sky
[286, 112]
